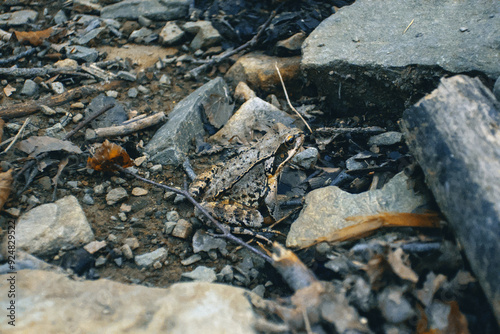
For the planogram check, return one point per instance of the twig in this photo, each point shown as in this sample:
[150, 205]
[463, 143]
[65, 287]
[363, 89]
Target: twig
[224, 229]
[131, 126]
[195, 72]
[408, 27]
[26, 122]
[15, 58]
[288, 100]
[89, 119]
[23, 109]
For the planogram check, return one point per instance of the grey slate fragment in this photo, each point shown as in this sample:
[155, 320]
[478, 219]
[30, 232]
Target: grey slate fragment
[18, 18]
[387, 138]
[30, 88]
[90, 36]
[114, 116]
[147, 260]
[361, 57]
[201, 274]
[174, 139]
[82, 53]
[157, 10]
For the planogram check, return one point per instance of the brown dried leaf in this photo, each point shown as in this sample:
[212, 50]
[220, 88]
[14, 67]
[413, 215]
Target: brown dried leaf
[5, 186]
[34, 38]
[399, 266]
[107, 156]
[36, 145]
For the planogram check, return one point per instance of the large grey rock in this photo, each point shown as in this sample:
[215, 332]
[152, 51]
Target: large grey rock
[174, 139]
[51, 227]
[361, 57]
[253, 115]
[325, 209]
[164, 10]
[47, 302]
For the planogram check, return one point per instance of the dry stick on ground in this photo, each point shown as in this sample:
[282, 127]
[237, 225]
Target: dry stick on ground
[15, 58]
[16, 137]
[130, 126]
[41, 71]
[28, 108]
[224, 229]
[195, 72]
[288, 100]
[86, 121]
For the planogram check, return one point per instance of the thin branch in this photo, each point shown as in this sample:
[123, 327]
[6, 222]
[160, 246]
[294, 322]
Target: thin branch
[288, 100]
[224, 229]
[26, 122]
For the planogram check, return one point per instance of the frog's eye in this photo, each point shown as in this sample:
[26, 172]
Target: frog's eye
[290, 139]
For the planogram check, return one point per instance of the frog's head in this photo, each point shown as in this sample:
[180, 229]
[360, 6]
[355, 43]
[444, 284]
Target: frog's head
[291, 141]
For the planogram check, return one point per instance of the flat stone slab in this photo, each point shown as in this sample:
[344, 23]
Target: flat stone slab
[51, 227]
[47, 302]
[362, 57]
[175, 138]
[164, 10]
[325, 209]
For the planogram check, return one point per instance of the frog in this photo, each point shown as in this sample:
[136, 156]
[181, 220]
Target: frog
[235, 190]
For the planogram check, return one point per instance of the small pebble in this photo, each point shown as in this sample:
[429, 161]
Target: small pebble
[137, 191]
[122, 216]
[77, 105]
[156, 168]
[77, 118]
[112, 238]
[132, 242]
[87, 199]
[190, 260]
[125, 208]
[182, 229]
[112, 93]
[173, 216]
[127, 252]
[157, 265]
[169, 227]
[132, 92]
[201, 274]
[100, 261]
[94, 246]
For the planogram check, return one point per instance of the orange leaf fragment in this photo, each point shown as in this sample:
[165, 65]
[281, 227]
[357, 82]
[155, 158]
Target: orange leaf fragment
[5, 186]
[107, 156]
[34, 38]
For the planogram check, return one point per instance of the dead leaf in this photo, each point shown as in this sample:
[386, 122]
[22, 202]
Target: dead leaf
[34, 38]
[36, 145]
[399, 266]
[107, 156]
[5, 186]
[8, 90]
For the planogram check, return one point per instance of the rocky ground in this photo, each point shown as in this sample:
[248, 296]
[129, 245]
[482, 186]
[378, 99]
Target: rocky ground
[105, 251]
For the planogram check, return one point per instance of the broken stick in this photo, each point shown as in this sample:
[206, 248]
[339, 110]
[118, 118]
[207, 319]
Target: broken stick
[31, 107]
